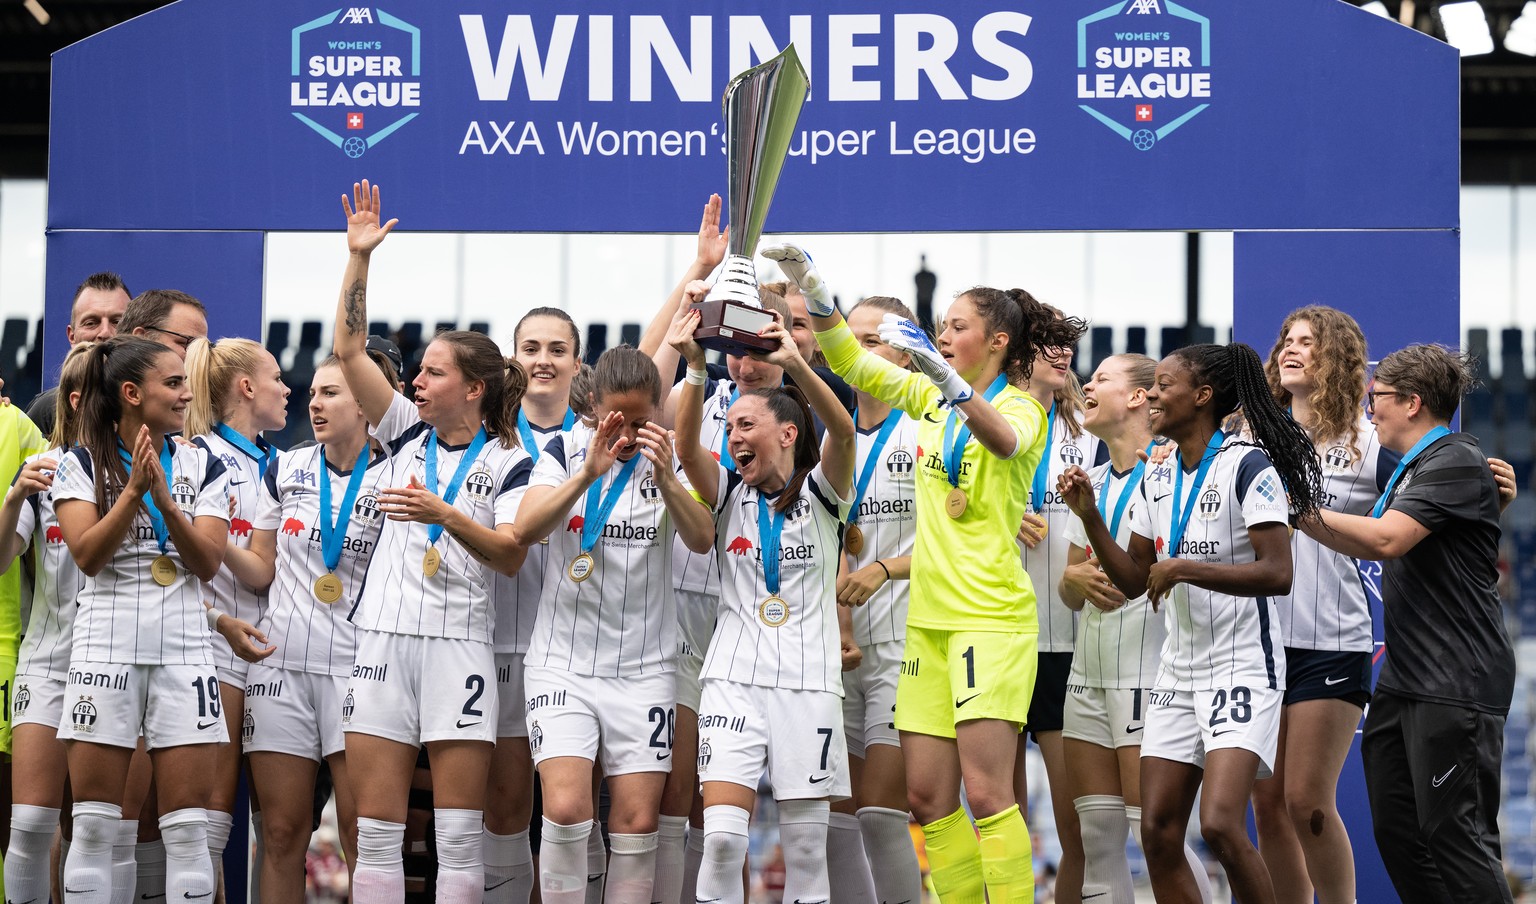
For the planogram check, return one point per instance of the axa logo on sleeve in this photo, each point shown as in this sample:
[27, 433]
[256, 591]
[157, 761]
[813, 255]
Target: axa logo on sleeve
[356, 76]
[1144, 68]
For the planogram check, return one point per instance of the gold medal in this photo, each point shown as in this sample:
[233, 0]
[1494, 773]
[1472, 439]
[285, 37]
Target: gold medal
[773, 612]
[431, 562]
[955, 502]
[581, 567]
[328, 588]
[853, 540]
[163, 570]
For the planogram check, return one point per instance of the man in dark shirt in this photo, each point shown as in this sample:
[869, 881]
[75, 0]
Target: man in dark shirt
[100, 301]
[1434, 732]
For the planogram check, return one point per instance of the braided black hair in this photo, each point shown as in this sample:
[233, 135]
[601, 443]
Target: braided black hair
[1236, 375]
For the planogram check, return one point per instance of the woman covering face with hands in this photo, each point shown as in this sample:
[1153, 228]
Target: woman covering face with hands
[1209, 539]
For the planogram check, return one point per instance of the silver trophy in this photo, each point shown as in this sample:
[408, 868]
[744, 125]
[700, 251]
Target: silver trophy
[761, 107]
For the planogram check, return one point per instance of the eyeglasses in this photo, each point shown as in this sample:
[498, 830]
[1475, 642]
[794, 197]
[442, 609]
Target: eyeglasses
[182, 339]
[1370, 398]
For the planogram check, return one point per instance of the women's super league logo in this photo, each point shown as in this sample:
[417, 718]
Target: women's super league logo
[355, 76]
[1144, 68]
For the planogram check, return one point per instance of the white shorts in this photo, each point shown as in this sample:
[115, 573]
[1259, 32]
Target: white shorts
[297, 713]
[695, 624]
[511, 702]
[235, 675]
[38, 701]
[795, 736]
[1107, 716]
[869, 701]
[624, 725]
[418, 689]
[1184, 726]
[170, 705]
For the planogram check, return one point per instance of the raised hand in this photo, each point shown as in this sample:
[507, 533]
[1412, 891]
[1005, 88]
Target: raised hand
[787, 352]
[680, 333]
[34, 478]
[712, 241]
[364, 232]
[906, 336]
[603, 451]
[656, 446]
[801, 270]
[148, 476]
[1076, 491]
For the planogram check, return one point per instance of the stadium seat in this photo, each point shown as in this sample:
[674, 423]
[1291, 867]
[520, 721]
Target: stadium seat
[1136, 340]
[481, 326]
[597, 342]
[629, 334]
[277, 339]
[1101, 345]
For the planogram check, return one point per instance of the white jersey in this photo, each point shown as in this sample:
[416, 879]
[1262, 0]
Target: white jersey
[516, 598]
[124, 615]
[225, 591]
[55, 590]
[621, 621]
[1118, 649]
[698, 571]
[1216, 640]
[312, 636]
[455, 603]
[1048, 560]
[1327, 608]
[803, 652]
[887, 516]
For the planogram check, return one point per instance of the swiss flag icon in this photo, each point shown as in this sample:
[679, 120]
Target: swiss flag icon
[355, 120]
[1143, 112]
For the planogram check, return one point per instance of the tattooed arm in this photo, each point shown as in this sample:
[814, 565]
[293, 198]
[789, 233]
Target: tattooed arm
[364, 233]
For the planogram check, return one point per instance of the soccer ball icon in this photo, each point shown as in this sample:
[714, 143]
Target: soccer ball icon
[1143, 139]
[354, 147]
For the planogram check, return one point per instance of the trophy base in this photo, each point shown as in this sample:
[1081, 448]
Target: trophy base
[731, 327]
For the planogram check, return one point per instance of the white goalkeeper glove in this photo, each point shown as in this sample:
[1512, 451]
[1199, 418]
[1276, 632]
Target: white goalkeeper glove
[801, 270]
[906, 336]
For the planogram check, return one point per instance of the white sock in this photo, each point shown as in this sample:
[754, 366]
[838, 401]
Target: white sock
[1202, 878]
[563, 862]
[88, 872]
[693, 858]
[631, 868]
[63, 856]
[124, 869]
[671, 842]
[851, 881]
[380, 874]
[892, 857]
[460, 871]
[508, 867]
[149, 882]
[597, 865]
[26, 860]
[220, 824]
[725, 850]
[803, 835]
[259, 854]
[1104, 825]
[189, 875]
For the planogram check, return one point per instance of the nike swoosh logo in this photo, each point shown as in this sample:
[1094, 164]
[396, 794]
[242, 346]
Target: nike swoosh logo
[1217, 734]
[706, 900]
[1441, 780]
[462, 724]
[591, 879]
[499, 884]
[817, 901]
[151, 897]
[78, 891]
[28, 901]
[205, 726]
[238, 483]
[663, 755]
[1095, 895]
[817, 781]
[1130, 730]
[960, 703]
[191, 897]
[1332, 681]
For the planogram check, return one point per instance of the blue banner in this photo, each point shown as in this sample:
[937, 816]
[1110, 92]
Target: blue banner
[1035, 114]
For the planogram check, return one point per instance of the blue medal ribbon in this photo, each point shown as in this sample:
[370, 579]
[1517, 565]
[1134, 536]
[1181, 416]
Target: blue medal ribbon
[954, 444]
[1418, 447]
[436, 530]
[770, 528]
[260, 451]
[1126, 490]
[600, 505]
[868, 470]
[1181, 520]
[1043, 470]
[333, 528]
[157, 520]
[531, 442]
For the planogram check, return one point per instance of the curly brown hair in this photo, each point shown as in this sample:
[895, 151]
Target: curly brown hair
[1338, 362]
